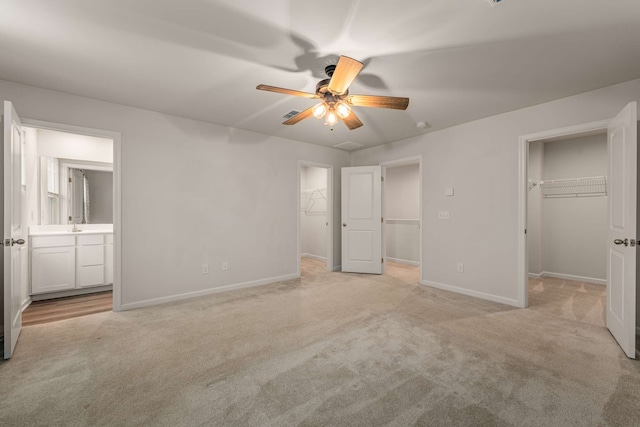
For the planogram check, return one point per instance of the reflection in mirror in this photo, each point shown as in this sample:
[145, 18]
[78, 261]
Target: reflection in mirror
[75, 193]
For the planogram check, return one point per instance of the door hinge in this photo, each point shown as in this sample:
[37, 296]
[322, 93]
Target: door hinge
[525, 231]
[70, 218]
[382, 219]
[382, 260]
[69, 179]
[382, 179]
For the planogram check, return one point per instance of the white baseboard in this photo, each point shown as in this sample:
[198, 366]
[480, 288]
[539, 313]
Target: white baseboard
[187, 295]
[337, 268]
[471, 293]
[535, 275]
[75, 292]
[312, 256]
[403, 261]
[26, 303]
[573, 278]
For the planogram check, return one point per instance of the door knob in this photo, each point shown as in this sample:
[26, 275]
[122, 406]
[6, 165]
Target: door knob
[621, 242]
[17, 242]
[344, 224]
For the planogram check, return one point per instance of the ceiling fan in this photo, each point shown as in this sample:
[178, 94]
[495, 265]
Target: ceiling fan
[335, 101]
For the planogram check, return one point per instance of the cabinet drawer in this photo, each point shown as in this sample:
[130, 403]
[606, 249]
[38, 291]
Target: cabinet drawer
[91, 239]
[90, 276]
[52, 241]
[90, 255]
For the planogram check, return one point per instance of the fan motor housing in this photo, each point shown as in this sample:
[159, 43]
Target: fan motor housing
[323, 91]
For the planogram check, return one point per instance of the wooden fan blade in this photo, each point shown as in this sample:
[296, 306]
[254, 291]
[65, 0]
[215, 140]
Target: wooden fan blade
[352, 121]
[378, 101]
[344, 74]
[287, 91]
[299, 117]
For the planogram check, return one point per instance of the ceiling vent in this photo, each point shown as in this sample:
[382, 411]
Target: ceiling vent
[348, 145]
[291, 114]
[495, 2]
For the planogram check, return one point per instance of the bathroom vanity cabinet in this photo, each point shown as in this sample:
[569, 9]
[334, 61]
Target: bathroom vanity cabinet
[70, 261]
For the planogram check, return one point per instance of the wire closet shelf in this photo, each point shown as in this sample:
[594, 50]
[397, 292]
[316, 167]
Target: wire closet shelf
[594, 186]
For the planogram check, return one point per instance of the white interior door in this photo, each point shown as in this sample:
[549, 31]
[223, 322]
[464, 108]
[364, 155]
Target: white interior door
[621, 280]
[13, 229]
[362, 219]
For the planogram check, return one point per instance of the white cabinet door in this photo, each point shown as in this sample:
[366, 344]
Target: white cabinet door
[108, 264]
[53, 269]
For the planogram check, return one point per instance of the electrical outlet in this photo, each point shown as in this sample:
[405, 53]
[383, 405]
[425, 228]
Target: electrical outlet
[205, 268]
[225, 266]
[443, 215]
[460, 267]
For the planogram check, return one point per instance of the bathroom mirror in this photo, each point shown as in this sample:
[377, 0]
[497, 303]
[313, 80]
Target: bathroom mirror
[75, 192]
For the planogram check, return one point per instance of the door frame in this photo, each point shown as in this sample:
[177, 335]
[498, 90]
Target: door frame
[117, 192]
[391, 164]
[330, 214]
[523, 174]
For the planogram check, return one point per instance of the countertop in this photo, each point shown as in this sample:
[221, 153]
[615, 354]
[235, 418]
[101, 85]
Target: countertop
[69, 233]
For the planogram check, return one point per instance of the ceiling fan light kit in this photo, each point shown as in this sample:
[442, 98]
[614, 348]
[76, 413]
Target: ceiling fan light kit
[335, 101]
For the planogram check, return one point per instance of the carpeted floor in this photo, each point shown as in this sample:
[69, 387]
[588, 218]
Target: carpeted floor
[327, 349]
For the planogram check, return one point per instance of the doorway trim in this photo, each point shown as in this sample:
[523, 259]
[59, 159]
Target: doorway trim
[395, 163]
[117, 192]
[330, 214]
[523, 174]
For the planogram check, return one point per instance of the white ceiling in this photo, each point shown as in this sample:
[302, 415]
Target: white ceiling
[457, 60]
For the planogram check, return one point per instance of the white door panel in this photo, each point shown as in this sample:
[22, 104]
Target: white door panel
[362, 219]
[621, 280]
[14, 233]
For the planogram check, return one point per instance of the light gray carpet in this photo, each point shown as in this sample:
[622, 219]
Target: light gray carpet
[329, 349]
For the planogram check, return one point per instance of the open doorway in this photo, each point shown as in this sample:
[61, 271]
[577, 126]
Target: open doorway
[69, 212]
[567, 222]
[401, 200]
[621, 198]
[85, 279]
[315, 236]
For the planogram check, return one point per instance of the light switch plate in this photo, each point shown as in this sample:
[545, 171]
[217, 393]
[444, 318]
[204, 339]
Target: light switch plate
[448, 191]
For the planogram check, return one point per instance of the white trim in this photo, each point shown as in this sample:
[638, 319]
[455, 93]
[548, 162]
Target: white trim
[117, 193]
[329, 218]
[26, 303]
[469, 292]
[337, 268]
[403, 261]
[71, 293]
[187, 295]
[523, 145]
[406, 161]
[573, 278]
[312, 256]
[535, 275]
